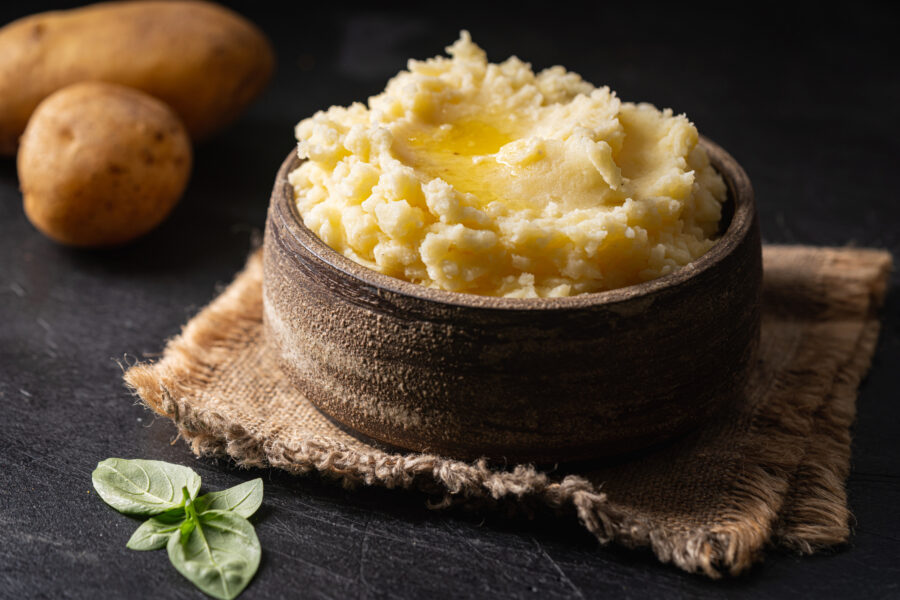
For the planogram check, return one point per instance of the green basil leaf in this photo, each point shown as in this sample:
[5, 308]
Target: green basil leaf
[143, 487]
[220, 555]
[242, 499]
[154, 533]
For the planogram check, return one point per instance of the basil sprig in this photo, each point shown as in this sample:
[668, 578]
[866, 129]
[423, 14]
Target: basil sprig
[208, 538]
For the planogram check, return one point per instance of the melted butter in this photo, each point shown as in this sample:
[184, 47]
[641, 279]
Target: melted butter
[461, 155]
[466, 138]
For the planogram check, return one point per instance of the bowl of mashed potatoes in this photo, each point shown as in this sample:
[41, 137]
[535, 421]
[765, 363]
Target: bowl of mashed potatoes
[487, 261]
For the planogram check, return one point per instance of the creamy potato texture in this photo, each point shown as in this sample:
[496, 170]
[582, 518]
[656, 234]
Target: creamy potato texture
[490, 179]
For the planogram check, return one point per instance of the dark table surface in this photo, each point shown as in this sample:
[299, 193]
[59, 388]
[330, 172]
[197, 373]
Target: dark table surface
[806, 101]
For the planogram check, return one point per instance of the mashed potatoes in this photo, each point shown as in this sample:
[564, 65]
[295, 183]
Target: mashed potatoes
[490, 179]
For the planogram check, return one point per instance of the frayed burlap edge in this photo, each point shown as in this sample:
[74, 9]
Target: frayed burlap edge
[802, 506]
[817, 494]
[192, 358]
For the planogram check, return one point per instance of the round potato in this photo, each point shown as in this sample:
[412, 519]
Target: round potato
[205, 61]
[101, 164]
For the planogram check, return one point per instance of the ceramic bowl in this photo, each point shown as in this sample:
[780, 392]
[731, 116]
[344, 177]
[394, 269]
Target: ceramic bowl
[539, 380]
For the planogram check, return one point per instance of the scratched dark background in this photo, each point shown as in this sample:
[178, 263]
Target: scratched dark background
[806, 100]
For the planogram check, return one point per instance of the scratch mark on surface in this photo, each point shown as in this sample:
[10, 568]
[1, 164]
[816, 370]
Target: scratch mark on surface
[478, 552]
[48, 336]
[363, 548]
[562, 574]
[332, 520]
[313, 566]
[32, 539]
[72, 473]
[17, 289]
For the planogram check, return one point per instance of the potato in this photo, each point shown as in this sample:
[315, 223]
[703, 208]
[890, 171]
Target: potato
[101, 164]
[205, 61]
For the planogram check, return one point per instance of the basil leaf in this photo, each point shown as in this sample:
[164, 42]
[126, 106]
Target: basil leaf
[220, 555]
[242, 499]
[154, 533]
[143, 487]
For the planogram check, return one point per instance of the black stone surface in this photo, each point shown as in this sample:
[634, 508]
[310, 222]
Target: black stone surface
[805, 99]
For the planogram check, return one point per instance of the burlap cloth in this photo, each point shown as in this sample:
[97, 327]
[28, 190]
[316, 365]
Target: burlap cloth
[768, 470]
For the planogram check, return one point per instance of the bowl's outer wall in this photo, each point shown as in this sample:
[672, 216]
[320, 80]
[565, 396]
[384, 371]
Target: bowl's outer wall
[540, 385]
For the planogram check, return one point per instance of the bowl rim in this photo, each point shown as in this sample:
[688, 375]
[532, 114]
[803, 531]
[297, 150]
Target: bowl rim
[739, 188]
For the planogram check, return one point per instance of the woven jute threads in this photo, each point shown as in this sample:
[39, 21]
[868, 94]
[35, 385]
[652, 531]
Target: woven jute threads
[768, 469]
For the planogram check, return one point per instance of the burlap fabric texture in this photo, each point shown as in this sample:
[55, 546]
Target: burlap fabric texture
[767, 471]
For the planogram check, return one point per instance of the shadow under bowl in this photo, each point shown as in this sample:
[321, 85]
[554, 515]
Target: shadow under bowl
[536, 379]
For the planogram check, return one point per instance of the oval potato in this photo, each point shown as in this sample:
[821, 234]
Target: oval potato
[101, 164]
[205, 61]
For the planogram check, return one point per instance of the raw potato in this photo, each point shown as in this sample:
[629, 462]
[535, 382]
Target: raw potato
[205, 61]
[101, 164]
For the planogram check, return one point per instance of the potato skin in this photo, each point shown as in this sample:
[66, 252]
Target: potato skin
[205, 61]
[101, 164]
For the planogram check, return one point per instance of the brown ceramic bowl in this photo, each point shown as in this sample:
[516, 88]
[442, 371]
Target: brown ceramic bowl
[517, 379]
